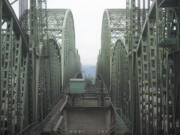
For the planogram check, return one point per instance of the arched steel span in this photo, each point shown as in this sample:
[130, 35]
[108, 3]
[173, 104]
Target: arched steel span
[54, 61]
[144, 81]
[113, 28]
[61, 27]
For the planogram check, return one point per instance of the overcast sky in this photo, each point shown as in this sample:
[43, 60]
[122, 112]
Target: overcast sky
[88, 19]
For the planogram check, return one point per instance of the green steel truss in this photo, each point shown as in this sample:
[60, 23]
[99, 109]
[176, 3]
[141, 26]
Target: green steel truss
[119, 85]
[61, 28]
[142, 73]
[113, 28]
[35, 63]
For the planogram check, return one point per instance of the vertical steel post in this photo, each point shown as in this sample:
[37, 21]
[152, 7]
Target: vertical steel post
[42, 41]
[139, 16]
[17, 74]
[33, 45]
[127, 23]
[0, 54]
[9, 48]
[133, 25]
[140, 87]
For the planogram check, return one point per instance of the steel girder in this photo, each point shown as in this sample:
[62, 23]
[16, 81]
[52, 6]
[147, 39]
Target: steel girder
[38, 37]
[69, 58]
[150, 71]
[153, 66]
[157, 100]
[49, 82]
[61, 27]
[158, 42]
[136, 18]
[31, 74]
[13, 67]
[119, 80]
[112, 63]
[113, 28]
[153, 84]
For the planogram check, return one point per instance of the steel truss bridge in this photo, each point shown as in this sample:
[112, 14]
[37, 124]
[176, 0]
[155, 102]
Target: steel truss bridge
[38, 56]
[138, 65]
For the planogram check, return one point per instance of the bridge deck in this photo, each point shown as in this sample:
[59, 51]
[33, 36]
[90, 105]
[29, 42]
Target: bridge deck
[88, 121]
[68, 119]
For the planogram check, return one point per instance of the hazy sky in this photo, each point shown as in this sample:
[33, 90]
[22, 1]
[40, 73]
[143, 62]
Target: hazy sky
[88, 19]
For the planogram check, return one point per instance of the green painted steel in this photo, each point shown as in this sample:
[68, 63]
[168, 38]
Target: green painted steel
[154, 82]
[113, 27]
[142, 72]
[119, 79]
[35, 66]
[61, 28]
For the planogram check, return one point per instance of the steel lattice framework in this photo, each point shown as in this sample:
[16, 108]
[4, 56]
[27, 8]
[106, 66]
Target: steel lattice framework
[61, 27]
[119, 85]
[113, 27]
[142, 74]
[155, 70]
[35, 67]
